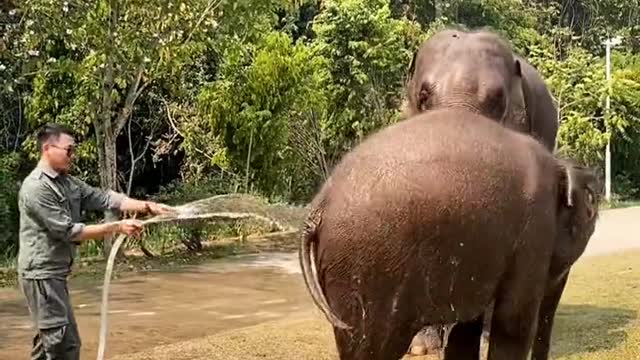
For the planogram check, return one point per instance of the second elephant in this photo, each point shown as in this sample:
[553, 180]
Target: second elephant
[477, 70]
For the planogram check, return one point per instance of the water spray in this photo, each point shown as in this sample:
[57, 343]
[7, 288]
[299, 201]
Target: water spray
[191, 211]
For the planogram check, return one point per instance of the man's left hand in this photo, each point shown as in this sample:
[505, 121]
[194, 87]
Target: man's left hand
[157, 208]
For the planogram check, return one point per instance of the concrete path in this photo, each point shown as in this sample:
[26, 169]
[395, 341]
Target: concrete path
[616, 230]
[160, 308]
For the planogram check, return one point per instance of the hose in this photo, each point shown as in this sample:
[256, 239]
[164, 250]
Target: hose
[154, 220]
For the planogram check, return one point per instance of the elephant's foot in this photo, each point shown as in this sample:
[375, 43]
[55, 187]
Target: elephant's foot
[426, 342]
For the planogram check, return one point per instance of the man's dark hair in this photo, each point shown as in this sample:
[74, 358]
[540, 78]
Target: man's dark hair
[52, 131]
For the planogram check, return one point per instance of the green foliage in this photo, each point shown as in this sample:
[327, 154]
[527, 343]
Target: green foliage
[265, 96]
[260, 91]
[9, 187]
[579, 87]
[368, 54]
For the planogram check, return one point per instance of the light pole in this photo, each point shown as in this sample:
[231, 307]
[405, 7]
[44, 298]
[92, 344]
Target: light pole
[608, 43]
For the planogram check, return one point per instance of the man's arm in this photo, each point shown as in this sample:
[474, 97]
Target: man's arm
[44, 205]
[98, 231]
[97, 199]
[129, 204]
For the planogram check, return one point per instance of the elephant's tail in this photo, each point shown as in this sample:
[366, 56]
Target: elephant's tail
[307, 255]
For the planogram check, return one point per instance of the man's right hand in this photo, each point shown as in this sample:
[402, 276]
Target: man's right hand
[130, 227]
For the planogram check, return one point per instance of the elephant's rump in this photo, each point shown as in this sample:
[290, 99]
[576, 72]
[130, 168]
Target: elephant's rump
[445, 249]
[427, 214]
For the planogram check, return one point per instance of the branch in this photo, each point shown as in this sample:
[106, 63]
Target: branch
[134, 91]
[209, 8]
[173, 125]
[16, 144]
[307, 143]
[175, 128]
[134, 160]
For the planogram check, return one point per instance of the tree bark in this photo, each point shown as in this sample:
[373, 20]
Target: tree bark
[104, 129]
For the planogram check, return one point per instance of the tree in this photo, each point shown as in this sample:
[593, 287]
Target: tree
[368, 54]
[105, 55]
[262, 90]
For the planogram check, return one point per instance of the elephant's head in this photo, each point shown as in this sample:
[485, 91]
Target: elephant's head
[578, 200]
[476, 70]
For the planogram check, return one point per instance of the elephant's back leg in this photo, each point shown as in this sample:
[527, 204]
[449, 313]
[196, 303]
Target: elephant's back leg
[380, 336]
[518, 299]
[383, 319]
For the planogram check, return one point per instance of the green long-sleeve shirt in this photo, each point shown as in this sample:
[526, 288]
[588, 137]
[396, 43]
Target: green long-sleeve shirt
[51, 206]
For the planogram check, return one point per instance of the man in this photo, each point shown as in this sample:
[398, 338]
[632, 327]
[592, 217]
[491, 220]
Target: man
[51, 203]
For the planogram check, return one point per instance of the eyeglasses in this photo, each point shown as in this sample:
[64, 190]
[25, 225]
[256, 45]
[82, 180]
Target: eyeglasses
[70, 150]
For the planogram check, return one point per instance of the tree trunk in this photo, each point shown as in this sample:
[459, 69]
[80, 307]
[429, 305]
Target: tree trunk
[108, 179]
[104, 129]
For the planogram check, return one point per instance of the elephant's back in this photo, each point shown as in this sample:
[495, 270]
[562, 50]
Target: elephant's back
[439, 167]
[541, 107]
[443, 188]
[440, 154]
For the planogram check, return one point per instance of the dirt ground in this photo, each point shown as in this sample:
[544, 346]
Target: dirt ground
[157, 315]
[160, 308]
[598, 319]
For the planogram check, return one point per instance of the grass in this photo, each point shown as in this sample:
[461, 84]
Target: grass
[598, 319]
[599, 316]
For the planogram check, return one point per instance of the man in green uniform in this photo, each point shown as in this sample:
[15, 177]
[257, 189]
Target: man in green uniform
[51, 204]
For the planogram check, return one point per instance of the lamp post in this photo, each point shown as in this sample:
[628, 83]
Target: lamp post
[608, 43]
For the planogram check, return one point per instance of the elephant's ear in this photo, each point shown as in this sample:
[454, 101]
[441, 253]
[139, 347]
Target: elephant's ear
[409, 76]
[408, 107]
[517, 68]
[412, 64]
[578, 188]
[517, 99]
[566, 184]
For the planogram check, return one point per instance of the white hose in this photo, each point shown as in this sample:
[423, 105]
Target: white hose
[154, 220]
[105, 295]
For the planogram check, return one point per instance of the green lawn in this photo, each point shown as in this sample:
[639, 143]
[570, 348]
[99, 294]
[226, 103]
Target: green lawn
[599, 317]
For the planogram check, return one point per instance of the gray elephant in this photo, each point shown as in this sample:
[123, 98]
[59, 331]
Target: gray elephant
[477, 70]
[429, 221]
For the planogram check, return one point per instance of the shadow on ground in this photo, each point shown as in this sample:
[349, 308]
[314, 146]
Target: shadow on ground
[581, 329]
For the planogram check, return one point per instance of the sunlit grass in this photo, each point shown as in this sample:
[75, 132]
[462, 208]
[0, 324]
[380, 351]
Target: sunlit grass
[599, 313]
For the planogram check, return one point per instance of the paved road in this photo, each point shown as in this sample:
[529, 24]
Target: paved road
[160, 308]
[616, 230]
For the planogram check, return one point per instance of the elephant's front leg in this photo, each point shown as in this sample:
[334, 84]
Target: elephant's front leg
[512, 329]
[545, 318]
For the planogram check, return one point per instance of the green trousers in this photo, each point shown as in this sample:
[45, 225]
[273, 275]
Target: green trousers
[57, 336]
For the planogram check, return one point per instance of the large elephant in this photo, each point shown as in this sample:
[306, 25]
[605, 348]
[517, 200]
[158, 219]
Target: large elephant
[429, 221]
[478, 70]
